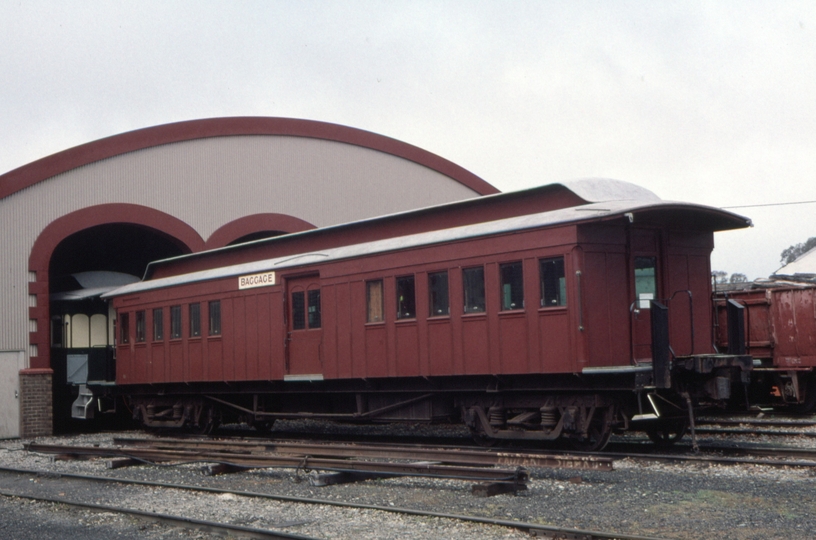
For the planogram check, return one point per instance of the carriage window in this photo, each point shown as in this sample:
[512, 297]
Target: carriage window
[141, 331]
[374, 301]
[215, 318]
[553, 283]
[298, 310]
[195, 320]
[406, 301]
[313, 298]
[645, 280]
[57, 331]
[512, 286]
[124, 327]
[438, 294]
[474, 290]
[158, 324]
[175, 322]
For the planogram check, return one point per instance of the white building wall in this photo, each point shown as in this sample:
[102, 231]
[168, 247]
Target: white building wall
[11, 362]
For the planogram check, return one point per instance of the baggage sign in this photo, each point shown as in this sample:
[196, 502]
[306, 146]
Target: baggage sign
[256, 280]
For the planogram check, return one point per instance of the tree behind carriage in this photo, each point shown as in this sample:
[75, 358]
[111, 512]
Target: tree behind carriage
[795, 251]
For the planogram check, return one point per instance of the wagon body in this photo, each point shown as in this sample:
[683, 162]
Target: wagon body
[598, 322]
[780, 334]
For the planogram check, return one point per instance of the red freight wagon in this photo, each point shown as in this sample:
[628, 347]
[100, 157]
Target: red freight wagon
[538, 326]
[780, 334]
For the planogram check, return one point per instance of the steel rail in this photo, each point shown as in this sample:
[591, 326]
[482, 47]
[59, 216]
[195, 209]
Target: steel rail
[518, 475]
[724, 460]
[755, 431]
[450, 455]
[768, 422]
[784, 451]
[483, 456]
[532, 528]
[175, 521]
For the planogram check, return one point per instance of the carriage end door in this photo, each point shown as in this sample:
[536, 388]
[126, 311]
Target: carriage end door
[304, 333]
[645, 261]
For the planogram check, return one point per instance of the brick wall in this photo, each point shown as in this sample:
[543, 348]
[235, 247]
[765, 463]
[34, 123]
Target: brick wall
[36, 409]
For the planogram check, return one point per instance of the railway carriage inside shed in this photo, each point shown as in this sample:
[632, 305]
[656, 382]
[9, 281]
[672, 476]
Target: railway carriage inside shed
[537, 326]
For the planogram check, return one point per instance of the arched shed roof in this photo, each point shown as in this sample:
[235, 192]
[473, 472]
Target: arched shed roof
[55, 164]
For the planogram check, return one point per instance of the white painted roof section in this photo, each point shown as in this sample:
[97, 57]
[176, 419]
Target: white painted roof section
[95, 283]
[583, 213]
[802, 269]
[103, 278]
[80, 294]
[606, 189]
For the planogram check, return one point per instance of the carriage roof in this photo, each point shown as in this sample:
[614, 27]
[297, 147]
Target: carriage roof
[646, 205]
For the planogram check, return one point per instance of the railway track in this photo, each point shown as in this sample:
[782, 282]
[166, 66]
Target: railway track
[389, 460]
[800, 422]
[475, 456]
[271, 481]
[52, 487]
[754, 431]
[225, 529]
[498, 471]
[463, 455]
[744, 455]
[768, 427]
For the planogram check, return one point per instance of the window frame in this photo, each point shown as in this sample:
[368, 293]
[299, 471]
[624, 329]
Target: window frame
[405, 294]
[376, 315]
[509, 298]
[438, 291]
[124, 328]
[298, 309]
[176, 324]
[214, 318]
[57, 331]
[141, 326]
[643, 296]
[476, 302]
[314, 317]
[158, 324]
[194, 313]
[560, 283]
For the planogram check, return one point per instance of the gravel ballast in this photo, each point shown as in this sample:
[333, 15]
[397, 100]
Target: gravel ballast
[637, 498]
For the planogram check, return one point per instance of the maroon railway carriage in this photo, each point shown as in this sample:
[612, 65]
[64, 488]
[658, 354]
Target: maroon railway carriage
[538, 327]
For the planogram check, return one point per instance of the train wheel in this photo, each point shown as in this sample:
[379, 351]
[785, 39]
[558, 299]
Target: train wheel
[263, 426]
[809, 404]
[481, 438]
[209, 419]
[598, 432]
[668, 433]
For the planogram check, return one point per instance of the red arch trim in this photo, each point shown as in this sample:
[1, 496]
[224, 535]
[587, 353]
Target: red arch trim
[58, 230]
[50, 166]
[254, 223]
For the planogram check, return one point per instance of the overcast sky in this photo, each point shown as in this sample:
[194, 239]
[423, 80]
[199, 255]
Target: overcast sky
[708, 102]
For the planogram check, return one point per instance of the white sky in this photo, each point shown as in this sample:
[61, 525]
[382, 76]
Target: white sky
[708, 102]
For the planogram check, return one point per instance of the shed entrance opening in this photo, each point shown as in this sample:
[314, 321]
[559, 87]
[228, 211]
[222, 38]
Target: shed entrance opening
[84, 266]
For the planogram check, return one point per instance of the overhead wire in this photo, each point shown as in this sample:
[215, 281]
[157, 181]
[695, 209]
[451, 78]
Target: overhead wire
[767, 204]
